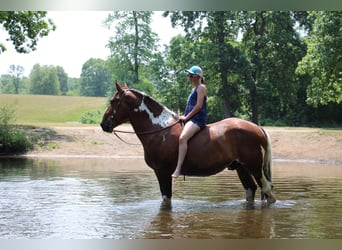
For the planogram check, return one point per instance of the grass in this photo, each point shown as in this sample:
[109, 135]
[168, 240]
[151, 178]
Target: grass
[33, 109]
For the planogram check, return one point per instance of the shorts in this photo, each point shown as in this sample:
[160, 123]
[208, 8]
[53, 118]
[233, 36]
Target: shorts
[200, 123]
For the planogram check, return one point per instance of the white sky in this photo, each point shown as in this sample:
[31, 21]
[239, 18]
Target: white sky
[78, 37]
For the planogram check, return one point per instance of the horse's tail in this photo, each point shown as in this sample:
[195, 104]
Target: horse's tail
[267, 161]
[267, 172]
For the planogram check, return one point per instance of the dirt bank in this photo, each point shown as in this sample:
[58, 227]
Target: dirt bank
[90, 141]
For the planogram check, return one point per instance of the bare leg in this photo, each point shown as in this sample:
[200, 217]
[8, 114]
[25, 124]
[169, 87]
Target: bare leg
[189, 130]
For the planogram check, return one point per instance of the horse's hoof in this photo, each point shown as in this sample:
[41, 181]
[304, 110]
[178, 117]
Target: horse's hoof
[271, 200]
[166, 203]
[250, 205]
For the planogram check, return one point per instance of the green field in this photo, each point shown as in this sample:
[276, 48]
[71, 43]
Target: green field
[33, 109]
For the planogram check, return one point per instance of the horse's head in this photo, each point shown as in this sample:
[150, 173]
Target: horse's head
[118, 111]
[134, 106]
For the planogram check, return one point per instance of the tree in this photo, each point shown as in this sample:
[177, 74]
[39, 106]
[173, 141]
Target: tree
[6, 84]
[255, 74]
[216, 52]
[14, 82]
[273, 48]
[44, 80]
[133, 44]
[323, 59]
[63, 80]
[16, 71]
[74, 86]
[95, 78]
[25, 28]
[173, 88]
[224, 56]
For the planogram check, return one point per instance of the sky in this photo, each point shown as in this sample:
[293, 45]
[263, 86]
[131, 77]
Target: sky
[79, 36]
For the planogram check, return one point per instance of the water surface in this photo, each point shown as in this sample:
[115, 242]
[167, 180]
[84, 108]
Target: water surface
[120, 198]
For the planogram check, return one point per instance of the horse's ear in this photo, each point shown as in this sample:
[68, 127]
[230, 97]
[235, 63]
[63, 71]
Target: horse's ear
[125, 85]
[118, 87]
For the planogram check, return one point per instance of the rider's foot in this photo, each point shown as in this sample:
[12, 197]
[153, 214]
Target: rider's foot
[175, 174]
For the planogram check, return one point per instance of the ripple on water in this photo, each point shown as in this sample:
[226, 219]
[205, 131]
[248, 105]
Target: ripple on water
[92, 199]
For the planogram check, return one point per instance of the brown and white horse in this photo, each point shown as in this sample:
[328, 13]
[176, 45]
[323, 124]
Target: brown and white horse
[231, 143]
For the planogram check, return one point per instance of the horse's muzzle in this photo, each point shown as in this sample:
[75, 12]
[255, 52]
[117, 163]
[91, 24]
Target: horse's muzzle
[107, 126]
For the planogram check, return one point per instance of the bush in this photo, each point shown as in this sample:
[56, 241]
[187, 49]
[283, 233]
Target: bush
[91, 117]
[12, 140]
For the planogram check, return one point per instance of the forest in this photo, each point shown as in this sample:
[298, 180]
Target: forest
[280, 68]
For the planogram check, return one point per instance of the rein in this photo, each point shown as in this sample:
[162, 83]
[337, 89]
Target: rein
[115, 131]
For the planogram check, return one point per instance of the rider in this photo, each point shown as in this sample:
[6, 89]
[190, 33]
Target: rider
[195, 115]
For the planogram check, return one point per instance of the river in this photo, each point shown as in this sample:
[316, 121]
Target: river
[118, 198]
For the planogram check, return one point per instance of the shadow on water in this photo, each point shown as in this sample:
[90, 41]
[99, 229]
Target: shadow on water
[120, 198]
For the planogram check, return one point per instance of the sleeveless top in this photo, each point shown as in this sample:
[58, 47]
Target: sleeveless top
[199, 118]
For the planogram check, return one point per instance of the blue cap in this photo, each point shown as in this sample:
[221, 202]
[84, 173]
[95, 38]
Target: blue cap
[195, 70]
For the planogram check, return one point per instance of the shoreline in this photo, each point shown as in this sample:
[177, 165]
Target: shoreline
[136, 157]
[303, 145]
[70, 156]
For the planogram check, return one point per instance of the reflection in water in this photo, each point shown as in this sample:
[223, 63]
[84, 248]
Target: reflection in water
[227, 220]
[120, 198]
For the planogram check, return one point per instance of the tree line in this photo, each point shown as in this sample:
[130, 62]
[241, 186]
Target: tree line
[270, 67]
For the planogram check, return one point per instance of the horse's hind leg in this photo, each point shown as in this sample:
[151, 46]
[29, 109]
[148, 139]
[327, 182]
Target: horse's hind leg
[265, 186]
[248, 183]
[266, 190]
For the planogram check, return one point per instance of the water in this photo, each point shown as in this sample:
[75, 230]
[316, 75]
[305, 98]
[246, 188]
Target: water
[120, 198]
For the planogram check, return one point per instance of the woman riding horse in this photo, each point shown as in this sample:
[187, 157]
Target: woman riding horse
[229, 143]
[195, 116]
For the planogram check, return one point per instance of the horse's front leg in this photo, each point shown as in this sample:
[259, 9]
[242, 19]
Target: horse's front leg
[165, 185]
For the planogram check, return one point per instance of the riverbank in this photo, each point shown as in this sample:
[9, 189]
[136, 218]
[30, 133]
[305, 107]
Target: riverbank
[288, 144]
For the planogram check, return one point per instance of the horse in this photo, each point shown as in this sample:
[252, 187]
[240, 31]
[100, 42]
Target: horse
[231, 143]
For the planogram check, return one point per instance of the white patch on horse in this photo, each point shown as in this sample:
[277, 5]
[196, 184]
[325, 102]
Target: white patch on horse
[163, 119]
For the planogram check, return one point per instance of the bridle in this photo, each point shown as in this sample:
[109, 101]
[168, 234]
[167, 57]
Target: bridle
[115, 131]
[119, 103]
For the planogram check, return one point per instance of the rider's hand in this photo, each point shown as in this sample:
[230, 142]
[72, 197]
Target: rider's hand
[182, 119]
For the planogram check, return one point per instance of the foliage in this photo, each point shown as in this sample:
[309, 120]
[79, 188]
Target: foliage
[134, 43]
[91, 117]
[272, 46]
[63, 80]
[44, 80]
[12, 140]
[323, 59]
[14, 82]
[270, 67]
[6, 85]
[174, 88]
[256, 75]
[146, 87]
[215, 109]
[74, 86]
[16, 71]
[25, 28]
[95, 78]
[48, 80]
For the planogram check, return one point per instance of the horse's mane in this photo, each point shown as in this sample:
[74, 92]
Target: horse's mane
[156, 107]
